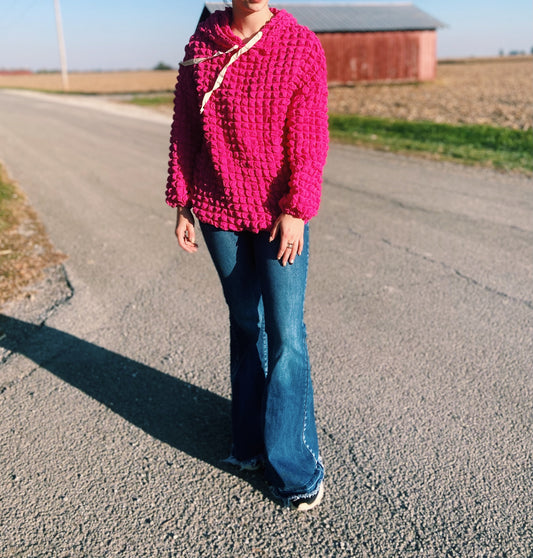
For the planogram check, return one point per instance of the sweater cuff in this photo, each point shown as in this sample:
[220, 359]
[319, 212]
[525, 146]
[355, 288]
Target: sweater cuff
[173, 199]
[288, 209]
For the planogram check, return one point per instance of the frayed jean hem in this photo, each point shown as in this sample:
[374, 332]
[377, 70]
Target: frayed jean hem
[286, 498]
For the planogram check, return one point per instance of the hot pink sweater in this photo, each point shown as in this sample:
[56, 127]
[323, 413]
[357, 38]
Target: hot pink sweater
[254, 144]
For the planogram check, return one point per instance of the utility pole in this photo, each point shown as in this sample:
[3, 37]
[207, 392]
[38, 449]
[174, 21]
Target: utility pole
[61, 43]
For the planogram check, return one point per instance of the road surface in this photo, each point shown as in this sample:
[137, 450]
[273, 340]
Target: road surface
[114, 379]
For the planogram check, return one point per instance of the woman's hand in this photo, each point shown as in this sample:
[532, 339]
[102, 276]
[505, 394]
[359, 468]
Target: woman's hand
[185, 230]
[291, 237]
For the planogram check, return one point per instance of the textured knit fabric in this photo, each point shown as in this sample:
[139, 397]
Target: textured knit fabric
[260, 145]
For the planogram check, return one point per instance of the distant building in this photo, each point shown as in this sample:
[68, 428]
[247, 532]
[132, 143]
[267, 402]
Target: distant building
[368, 41]
[15, 72]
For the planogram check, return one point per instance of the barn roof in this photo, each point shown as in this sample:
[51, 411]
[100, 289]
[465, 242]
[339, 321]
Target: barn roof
[351, 16]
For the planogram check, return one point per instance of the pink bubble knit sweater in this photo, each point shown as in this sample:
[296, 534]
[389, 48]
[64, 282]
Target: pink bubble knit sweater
[249, 137]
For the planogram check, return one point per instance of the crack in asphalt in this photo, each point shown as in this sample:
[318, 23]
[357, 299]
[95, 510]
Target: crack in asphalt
[449, 268]
[410, 206]
[455, 271]
[7, 354]
[58, 303]
[10, 384]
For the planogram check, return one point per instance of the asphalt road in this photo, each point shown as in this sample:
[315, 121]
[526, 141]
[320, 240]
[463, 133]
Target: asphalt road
[114, 378]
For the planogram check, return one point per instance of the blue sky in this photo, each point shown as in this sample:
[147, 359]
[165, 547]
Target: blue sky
[132, 34]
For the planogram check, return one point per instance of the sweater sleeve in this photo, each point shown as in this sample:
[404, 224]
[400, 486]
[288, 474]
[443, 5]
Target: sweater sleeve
[185, 140]
[307, 138]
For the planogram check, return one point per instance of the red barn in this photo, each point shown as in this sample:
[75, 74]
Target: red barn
[368, 41]
[15, 72]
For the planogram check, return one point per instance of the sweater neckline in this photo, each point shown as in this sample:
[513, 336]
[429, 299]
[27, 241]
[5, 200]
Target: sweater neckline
[222, 34]
[260, 30]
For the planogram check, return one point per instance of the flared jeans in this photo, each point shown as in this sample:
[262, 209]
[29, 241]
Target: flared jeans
[272, 394]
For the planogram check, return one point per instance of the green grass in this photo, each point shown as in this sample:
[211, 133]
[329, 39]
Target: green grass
[152, 101]
[501, 148]
[7, 192]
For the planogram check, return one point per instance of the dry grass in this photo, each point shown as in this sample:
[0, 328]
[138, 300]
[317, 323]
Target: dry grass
[25, 250]
[96, 82]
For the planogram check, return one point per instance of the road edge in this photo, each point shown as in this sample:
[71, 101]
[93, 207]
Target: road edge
[38, 302]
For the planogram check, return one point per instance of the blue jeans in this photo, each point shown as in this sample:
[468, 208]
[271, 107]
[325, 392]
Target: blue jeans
[272, 393]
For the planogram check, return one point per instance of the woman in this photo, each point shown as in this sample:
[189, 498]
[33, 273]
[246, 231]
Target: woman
[248, 145]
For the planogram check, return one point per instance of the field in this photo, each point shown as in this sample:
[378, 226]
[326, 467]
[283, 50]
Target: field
[96, 82]
[497, 92]
[478, 91]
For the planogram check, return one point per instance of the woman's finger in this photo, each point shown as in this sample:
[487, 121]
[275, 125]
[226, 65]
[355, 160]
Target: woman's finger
[293, 253]
[189, 239]
[296, 250]
[180, 233]
[274, 231]
[289, 253]
[190, 235]
[290, 232]
[285, 248]
[185, 232]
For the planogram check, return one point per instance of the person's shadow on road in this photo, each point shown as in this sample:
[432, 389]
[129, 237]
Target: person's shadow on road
[189, 418]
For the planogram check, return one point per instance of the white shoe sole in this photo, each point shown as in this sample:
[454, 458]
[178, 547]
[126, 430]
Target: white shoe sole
[303, 506]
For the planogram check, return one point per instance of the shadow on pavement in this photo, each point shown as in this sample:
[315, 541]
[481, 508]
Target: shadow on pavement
[191, 419]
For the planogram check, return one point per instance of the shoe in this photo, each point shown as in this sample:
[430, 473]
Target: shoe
[250, 465]
[306, 504]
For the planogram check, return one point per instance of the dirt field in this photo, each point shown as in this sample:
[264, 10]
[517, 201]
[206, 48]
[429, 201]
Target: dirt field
[497, 91]
[483, 91]
[96, 82]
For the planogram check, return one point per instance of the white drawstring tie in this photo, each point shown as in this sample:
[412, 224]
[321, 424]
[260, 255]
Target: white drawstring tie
[220, 77]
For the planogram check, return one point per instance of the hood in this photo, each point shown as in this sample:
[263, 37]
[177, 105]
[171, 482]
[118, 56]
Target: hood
[216, 33]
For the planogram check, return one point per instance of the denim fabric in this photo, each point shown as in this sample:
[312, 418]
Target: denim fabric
[272, 393]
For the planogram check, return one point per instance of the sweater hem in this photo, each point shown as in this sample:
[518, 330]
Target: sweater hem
[229, 225]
